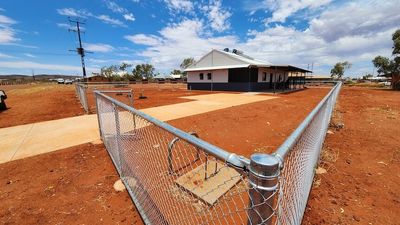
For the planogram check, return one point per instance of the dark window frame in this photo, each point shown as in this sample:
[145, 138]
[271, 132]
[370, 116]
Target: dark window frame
[209, 76]
[201, 76]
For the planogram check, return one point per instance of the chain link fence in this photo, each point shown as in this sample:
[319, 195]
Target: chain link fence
[173, 177]
[81, 92]
[85, 93]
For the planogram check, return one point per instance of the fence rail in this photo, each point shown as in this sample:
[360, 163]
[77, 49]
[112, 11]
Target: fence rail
[83, 89]
[81, 92]
[174, 177]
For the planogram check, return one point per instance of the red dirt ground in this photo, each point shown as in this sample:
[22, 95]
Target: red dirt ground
[71, 186]
[260, 126]
[41, 102]
[157, 95]
[362, 184]
[34, 103]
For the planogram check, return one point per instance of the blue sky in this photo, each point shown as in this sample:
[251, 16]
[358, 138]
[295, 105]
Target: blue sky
[34, 34]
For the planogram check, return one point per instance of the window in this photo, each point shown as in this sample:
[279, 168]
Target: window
[209, 76]
[264, 77]
[201, 76]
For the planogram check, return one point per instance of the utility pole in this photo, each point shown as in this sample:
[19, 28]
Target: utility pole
[33, 74]
[80, 50]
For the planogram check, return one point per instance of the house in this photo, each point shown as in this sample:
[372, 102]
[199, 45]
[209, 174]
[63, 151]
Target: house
[175, 76]
[235, 71]
[318, 79]
[96, 78]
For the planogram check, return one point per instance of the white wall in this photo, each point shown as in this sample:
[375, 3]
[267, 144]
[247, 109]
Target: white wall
[275, 73]
[218, 76]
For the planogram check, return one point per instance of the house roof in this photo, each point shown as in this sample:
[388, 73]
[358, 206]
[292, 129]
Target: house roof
[217, 59]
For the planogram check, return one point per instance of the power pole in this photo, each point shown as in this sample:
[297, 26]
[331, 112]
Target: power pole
[80, 50]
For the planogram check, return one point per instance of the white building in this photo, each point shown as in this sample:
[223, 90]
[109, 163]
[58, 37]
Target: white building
[234, 71]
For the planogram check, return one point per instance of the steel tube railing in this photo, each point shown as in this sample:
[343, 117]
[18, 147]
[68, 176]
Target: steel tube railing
[231, 158]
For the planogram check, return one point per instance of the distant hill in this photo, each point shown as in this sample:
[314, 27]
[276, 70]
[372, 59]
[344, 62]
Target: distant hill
[37, 77]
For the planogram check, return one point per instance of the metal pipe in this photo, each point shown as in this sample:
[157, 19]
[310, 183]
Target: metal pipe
[231, 158]
[99, 119]
[282, 151]
[263, 180]
[117, 138]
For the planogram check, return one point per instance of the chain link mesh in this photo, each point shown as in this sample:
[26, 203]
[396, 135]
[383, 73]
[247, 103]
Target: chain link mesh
[300, 162]
[81, 92]
[178, 185]
[173, 181]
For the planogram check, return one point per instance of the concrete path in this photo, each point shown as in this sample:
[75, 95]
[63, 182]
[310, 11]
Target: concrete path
[32, 139]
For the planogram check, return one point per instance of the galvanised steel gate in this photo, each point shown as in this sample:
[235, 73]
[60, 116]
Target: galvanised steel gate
[174, 177]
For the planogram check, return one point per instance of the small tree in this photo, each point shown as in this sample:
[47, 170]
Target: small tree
[367, 76]
[339, 68]
[109, 71]
[143, 70]
[176, 72]
[186, 63]
[385, 66]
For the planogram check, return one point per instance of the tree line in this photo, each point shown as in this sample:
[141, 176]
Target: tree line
[129, 72]
[385, 66]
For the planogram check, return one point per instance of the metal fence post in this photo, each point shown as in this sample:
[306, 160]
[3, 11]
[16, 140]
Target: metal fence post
[131, 98]
[98, 116]
[263, 178]
[117, 138]
[86, 100]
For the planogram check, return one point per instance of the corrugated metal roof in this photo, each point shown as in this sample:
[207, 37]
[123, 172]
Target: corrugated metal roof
[248, 60]
[217, 59]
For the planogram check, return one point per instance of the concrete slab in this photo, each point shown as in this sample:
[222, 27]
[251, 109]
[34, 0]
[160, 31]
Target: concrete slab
[202, 104]
[37, 138]
[214, 187]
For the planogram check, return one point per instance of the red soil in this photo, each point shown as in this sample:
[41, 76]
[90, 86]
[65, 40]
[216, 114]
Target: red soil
[41, 102]
[361, 186]
[71, 186]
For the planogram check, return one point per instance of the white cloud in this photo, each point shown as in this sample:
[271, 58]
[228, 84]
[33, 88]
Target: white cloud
[4, 21]
[356, 18]
[99, 47]
[7, 33]
[107, 19]
[281, 10]
[286, 45]
[84, 14]
[144, 39]
[6, 56]
[8, 36]
[101, 61]
[74, 13]
[179, 5]
[44, 66]
[29, 55]
[217, 16]
[129, 17]
[113, 6]
[178, 41]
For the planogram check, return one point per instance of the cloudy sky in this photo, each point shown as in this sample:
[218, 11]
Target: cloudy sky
[34, 34]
